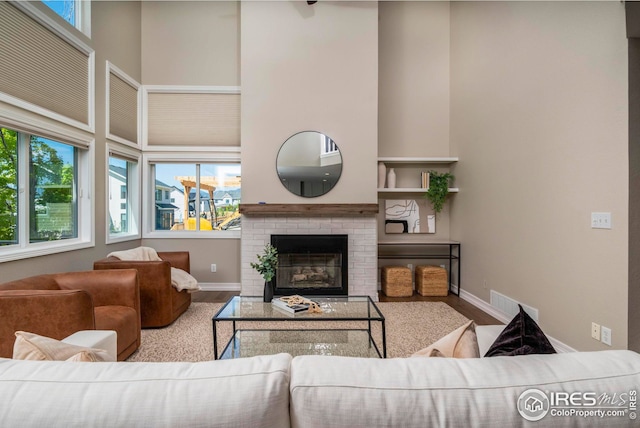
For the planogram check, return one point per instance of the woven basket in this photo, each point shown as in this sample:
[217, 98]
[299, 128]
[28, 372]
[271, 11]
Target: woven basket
[396, 281]
[431, 281]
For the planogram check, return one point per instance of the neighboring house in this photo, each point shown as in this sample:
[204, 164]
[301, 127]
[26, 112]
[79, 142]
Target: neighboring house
[117, 199]
[176, 198]
[165, 210]
[223, 198]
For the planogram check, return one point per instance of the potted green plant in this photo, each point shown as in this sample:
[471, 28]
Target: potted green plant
[438, 189]
[266, 266]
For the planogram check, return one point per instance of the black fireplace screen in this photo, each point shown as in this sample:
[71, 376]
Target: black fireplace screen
[311, 264]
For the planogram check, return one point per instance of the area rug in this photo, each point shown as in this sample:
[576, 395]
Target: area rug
[410, 326]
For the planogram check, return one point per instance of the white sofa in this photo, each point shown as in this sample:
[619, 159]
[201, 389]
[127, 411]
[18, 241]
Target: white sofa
[310, 391]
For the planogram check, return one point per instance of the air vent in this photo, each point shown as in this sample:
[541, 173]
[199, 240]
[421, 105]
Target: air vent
[510, 307]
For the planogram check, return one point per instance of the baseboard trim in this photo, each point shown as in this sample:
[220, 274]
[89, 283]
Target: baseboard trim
[219, 286]
[502, 317]
[484, 306]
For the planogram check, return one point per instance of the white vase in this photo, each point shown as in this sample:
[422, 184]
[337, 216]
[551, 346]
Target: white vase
[391, 179]
[382, 174]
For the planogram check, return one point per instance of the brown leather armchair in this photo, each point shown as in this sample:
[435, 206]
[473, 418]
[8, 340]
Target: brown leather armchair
[160, 303]
[60, 304]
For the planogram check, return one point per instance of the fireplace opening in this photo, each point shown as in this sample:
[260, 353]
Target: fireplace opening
[311, 264]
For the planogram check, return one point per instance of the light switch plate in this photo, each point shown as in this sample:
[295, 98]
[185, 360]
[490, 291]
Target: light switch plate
[601, 220]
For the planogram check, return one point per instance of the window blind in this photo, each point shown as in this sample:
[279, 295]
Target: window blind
[193, 119]
[41, 68]
[123, 109]
[129, 157]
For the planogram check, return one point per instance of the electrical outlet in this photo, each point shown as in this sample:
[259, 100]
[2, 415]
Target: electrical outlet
[484, 284]
[606, 335]
[214, 268]
[410, 266]
[595, 331]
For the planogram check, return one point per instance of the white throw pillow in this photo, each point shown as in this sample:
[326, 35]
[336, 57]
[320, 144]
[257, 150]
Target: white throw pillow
[460, 343]
[30, 346]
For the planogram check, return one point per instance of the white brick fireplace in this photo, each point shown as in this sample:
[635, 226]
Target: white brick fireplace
[362, 246]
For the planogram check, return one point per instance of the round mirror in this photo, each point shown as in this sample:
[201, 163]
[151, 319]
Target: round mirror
[309, 164]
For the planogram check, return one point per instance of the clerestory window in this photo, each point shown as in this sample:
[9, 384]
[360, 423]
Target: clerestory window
[75, 12]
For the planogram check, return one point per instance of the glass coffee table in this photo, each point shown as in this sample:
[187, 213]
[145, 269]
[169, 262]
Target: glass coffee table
[343, 328]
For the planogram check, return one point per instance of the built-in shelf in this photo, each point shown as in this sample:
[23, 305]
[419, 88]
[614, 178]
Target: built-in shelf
[308, 210]
[406, 165]
[410, 159]
[412, 190]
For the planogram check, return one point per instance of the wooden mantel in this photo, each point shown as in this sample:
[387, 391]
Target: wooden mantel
[308, 210]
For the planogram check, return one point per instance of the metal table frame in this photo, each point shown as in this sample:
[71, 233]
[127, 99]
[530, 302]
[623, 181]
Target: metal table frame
[216, 318]
[452, 256]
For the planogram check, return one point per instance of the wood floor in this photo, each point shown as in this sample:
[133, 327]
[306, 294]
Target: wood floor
[465, 308]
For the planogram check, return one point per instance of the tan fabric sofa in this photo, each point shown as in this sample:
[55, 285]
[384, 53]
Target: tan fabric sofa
[160, 303]
[58, 305]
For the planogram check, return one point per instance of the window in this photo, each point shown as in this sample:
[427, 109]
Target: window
[50, 70]
[65, 8]
[123, 195]
[44, 205]
[191, 118]
[75, 12]
[122, 107]
[52, 190]
[198, 197]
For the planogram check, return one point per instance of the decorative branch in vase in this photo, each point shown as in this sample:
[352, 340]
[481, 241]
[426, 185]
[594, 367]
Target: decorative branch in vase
[266, 267]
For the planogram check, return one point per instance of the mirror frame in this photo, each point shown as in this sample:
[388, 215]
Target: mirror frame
[309, 181]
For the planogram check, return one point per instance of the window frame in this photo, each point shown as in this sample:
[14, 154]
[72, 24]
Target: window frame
[85, 189]
[148, 192]
[149, 146]
[113, 69]
[133, 193]
[35, 11]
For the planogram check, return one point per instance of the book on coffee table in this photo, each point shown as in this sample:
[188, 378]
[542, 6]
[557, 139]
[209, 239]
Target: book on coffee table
[295, 308]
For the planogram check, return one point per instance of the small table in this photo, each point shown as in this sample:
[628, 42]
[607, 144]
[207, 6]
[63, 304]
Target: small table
[336, 339]
[419, 250]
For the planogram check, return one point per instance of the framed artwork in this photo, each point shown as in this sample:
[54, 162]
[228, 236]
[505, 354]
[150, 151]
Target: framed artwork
[408, 216]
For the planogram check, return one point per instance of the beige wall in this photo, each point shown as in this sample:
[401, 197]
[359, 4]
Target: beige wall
[413, 111]
[191, 43]
[195, 43]
[108, 44]
[539, 121]
[309, 68]
[224, 253]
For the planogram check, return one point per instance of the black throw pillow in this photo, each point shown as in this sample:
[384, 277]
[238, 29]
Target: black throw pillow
[522, 336]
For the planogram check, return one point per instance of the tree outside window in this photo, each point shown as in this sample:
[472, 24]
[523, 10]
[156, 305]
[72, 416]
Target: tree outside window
[51, 203]
[51, 190]
[8, 187]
